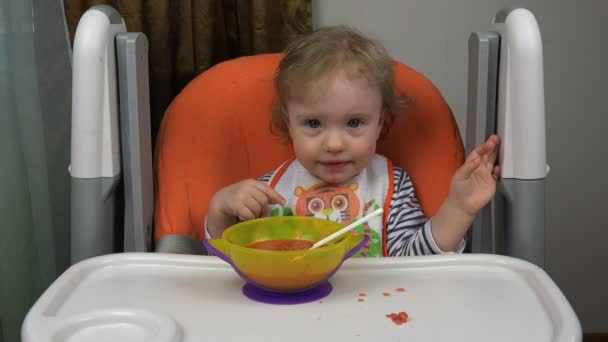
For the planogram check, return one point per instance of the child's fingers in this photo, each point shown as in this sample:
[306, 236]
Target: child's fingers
[246, 214]
[491, 162]
[483, 149]
[273, 196]
[491, 159]
[496, 171]
[488, 151]
[259, 196]
[251, 209]
[487, 146]
[494, 152]
[468, 167]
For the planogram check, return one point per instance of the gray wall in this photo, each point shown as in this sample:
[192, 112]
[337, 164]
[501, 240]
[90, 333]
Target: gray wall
[431, 36]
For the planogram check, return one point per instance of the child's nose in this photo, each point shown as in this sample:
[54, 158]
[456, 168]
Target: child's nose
[334, 142]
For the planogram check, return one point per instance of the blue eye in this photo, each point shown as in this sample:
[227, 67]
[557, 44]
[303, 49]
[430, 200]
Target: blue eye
[313, 123]
[354, 123]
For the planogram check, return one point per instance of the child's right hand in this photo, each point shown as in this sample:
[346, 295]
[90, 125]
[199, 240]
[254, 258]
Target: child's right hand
[245, 199]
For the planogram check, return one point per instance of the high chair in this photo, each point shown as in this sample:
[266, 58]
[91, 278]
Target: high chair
[216, 132]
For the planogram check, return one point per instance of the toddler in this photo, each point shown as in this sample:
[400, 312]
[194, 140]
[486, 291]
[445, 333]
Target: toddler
[335, 100]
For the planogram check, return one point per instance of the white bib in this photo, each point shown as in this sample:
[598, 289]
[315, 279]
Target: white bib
[306, 195]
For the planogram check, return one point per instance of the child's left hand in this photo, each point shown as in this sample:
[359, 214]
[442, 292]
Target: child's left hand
[474, 183]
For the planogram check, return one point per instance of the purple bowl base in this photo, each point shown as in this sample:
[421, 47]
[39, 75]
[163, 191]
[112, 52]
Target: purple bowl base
[269, 297]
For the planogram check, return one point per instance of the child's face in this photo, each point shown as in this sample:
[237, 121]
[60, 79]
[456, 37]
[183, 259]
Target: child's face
[334, 136]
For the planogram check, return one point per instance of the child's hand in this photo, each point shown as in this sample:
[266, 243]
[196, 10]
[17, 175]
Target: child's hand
[245, 199]
[474, 183]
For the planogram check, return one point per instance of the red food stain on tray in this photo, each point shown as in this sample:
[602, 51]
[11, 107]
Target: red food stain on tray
[385, 294]
[398, 318]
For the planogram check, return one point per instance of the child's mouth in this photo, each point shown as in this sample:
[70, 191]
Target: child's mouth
[334, 164]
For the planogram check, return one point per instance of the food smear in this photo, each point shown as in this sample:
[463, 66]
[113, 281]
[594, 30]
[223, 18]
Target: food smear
[282, 245]
[398, 318]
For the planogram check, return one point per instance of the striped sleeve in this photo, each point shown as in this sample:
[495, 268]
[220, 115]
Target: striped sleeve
[408, 230]
[266, 178]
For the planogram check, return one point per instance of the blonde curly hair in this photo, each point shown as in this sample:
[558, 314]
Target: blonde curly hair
[320, 55]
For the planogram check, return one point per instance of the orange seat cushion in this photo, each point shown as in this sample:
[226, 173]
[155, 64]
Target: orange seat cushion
[217, 132]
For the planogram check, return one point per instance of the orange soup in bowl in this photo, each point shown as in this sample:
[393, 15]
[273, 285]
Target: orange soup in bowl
[282, 245]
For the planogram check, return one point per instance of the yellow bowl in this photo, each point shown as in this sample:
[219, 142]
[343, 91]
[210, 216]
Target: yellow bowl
[284, 271]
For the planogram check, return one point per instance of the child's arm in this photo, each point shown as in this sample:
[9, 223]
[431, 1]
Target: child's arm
[244, 199]
[473, 186]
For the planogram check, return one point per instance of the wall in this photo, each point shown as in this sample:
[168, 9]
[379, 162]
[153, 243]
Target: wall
[431, 36]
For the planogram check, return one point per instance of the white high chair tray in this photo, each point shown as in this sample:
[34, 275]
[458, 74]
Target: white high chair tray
[181, 298]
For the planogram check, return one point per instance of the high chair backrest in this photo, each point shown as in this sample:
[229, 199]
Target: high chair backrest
[217, 132]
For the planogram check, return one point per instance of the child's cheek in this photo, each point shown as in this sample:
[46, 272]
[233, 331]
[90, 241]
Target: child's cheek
[372, 148]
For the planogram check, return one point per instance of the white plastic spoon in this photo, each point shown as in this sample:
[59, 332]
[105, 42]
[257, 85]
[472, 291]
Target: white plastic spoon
[347, 228]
